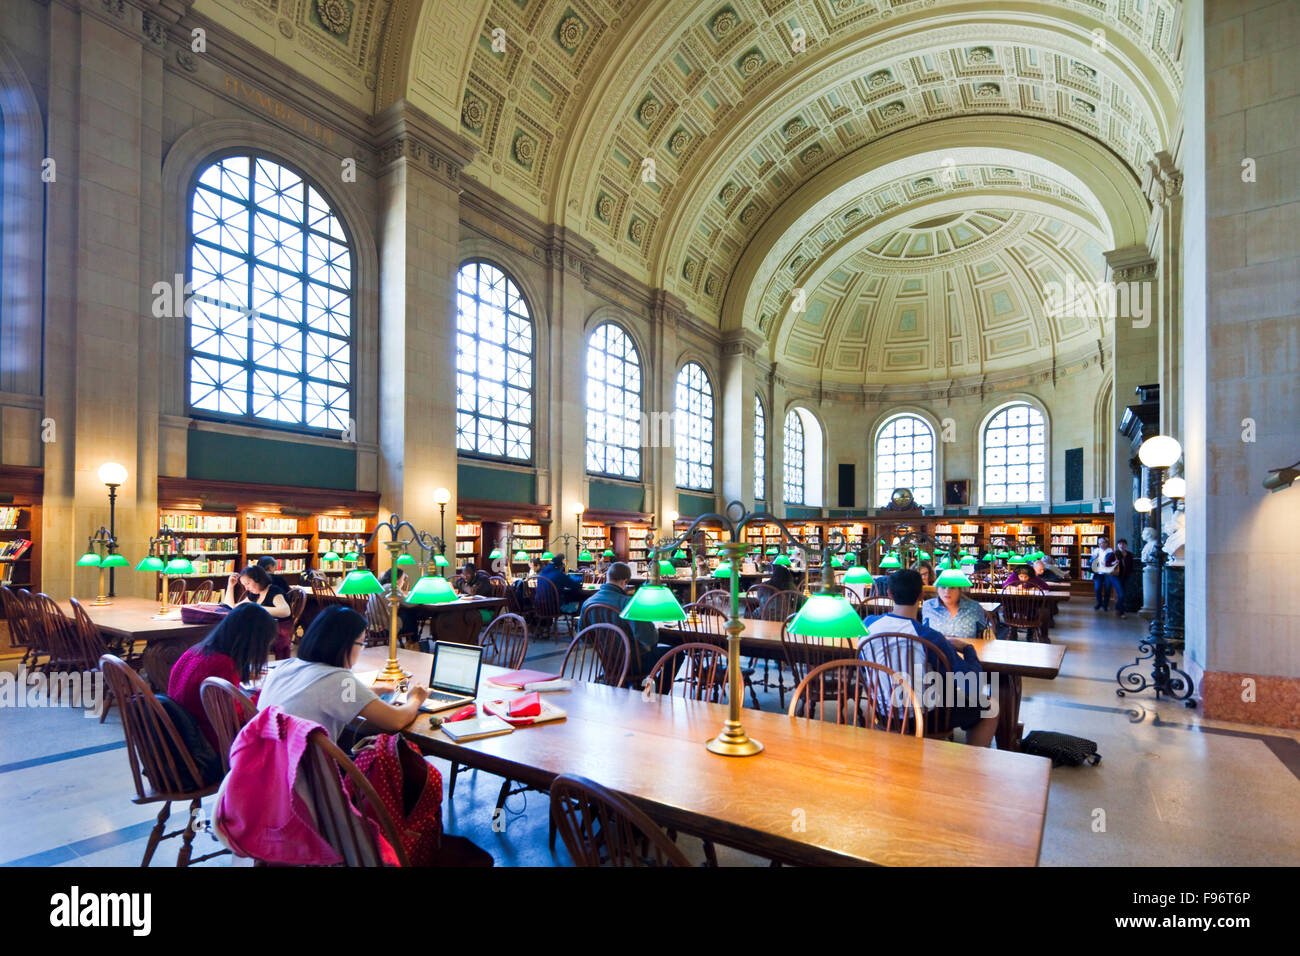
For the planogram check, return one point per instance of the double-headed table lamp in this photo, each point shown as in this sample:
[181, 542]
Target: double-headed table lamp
[101, 553]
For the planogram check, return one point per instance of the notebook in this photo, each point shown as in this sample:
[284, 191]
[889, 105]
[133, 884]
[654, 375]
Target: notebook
[522, 711]
[517, 679]
[475, 728]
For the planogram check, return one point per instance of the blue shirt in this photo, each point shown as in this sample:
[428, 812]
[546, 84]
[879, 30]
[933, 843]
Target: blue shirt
[967, 623]
[643, 632]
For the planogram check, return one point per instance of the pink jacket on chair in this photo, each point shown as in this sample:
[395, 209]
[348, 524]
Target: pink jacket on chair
[259, 814]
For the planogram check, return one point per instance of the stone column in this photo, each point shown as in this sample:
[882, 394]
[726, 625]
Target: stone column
[1165, 187]
[776, 444]
[659, 461]
[104, 133]
[736, 422]
[1136, 358]
[419, 232]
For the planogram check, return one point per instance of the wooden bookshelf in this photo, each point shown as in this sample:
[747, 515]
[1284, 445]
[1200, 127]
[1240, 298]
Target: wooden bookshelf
[21, 492]
[469, 544]
[228, 525]
[496, 521]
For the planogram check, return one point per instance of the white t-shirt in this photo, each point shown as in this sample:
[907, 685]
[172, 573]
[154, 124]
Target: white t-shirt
[330, 696]
[1103, 561]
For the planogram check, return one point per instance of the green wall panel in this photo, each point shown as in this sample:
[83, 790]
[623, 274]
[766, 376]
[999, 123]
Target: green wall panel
[214, 456]
[485, 483]
[689, 505]
[615, 496]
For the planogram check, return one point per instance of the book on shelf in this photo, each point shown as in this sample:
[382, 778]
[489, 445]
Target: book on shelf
[197, 522]
[272, 545]
[467, 530]
[334, 525]
[9, 517]
[15, 549]
[263, 523]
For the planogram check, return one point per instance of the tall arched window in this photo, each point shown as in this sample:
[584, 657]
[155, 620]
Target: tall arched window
[693, 428]
[271, 317]
[494, 365]
[613, 404]
[794, 459]
[760, 451]
[905, 459]
[1013, 451]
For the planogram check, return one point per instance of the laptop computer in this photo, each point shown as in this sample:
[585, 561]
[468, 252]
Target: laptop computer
[454, 679]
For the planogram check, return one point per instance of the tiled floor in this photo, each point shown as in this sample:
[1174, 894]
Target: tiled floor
[1172, 787]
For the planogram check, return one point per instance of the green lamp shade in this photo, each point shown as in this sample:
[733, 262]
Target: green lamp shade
[944, 564]
[969, 559]
[783, 560]
[151, 563]
[722, 571]
[360, 582]
[521, 555]
[404, 559]
[890, 561]
[546, 555]
[923, 555]
[679, 555]
[89, 560]
[585, 555]
[857, 575]
[988, 556]
[494, 554]
[440, 561]
[1018, 559]
[827, 615]
[431, 590]
[666, 567]
[330, 556]
[115, 561]
[1004, 554]
[609, 553]
[179, 566]
[771, 550]
[653, 602]
[837, 562]
[953, 578]
[850, 558]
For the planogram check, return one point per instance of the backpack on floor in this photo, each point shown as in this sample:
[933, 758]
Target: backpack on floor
[1061, 749]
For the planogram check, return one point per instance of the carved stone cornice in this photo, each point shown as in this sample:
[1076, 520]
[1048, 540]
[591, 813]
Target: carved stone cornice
[1162, 180]
[742, 342]
[404, 132]
[565, 250]
[1131, 264]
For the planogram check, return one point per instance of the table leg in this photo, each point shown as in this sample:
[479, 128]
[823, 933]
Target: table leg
[1009, 726]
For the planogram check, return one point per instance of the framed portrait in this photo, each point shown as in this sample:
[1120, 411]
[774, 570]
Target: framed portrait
[956, 492]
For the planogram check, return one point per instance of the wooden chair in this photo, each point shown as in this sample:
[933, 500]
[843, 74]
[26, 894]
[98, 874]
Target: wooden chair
[56, 635]
[757, 594]
[717, 598]
[297, 603]
[154, 747]
[910, 655]
[697, 670]
[228, 708]
[322, 770]
[1025, 610]
[377, 614]
[779, 606]
[599, 654]
[854, 687]
[505, 644]
[89, 647]
[320, 587]
[22, 631]
[802, 654]
[499, 585]
[204, 593]
[176, 592]
[859, 605]
[546, 608]
[710, 626]
[601, 828]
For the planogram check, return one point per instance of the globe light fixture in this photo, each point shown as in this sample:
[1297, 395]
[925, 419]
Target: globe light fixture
[1143, 505]
[1160, 451]
[1175, 487]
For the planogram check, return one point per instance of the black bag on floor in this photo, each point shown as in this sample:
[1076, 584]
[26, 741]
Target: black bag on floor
[1061, 749]
[205, 758]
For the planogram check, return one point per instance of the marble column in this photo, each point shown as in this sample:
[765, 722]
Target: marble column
[739, 387]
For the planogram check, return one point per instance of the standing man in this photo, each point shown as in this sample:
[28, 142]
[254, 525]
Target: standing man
[1123, 576]
[1103, 572]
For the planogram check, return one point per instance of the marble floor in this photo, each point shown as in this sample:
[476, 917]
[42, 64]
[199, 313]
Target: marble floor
[1172, 788]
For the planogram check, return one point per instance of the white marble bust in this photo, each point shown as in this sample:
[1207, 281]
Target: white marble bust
[1149, 545]
[1174, 543]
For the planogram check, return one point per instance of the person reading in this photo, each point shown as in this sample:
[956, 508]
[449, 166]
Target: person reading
[645, 636]
[957, 656]
[260, 589]
[570, 592]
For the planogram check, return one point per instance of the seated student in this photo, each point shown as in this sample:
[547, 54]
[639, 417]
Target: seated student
[781, 578]
[269, 565]
[645, 636]
[1022, 576]
[235, 650]
[570, 592]
[534, 569]
[953, 614]
[259, 589]
[958, 656]
[1048, 571]
[926, 570]
[318, 685]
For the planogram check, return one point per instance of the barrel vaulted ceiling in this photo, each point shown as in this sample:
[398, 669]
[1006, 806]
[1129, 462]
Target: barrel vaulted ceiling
[576, 95]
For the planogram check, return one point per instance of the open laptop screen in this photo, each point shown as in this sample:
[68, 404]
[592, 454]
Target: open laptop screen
[456, 667]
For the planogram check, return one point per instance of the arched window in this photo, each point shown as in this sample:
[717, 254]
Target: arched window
[613, 404]
[693, 428]
[794, 459]
[1013, 452]
[271, 317]
[905, 459]
[494, 365]
[760, 451]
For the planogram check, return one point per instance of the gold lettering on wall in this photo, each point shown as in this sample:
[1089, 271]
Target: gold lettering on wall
[269, 105]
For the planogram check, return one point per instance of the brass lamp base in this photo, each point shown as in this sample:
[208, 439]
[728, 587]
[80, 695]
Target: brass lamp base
[100, 601]
[734, 742]
[392, 673]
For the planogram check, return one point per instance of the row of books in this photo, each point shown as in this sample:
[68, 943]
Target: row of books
[15, 549]
[9, 518]
[341, 525]
[258, 523]
[467, 530]
[193, 522]
[260, 545]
